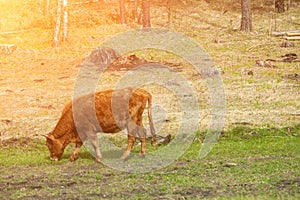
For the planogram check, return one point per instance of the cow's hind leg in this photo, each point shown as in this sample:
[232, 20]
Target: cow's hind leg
[141, 132]
[75, 153]
[142, 136]
[130, 143]
[95, 143]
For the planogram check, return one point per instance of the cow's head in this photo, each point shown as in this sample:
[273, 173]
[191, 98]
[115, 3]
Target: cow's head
[55, 146]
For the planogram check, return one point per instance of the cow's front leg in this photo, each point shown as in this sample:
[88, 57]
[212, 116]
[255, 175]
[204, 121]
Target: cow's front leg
[143, 147]
[75, 153]
[130, 143]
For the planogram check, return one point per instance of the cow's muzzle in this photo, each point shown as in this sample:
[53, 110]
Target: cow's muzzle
[53, 159]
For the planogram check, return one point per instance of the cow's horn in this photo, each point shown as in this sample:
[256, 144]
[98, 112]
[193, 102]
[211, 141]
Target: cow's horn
[46, 136]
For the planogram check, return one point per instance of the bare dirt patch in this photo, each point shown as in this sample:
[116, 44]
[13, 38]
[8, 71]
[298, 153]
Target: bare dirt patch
[287, 184]
[23, 141]
[293, 77]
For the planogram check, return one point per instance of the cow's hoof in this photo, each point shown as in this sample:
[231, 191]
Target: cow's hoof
[73, 158]
[142, 155]
[123, 160]
[125, 156]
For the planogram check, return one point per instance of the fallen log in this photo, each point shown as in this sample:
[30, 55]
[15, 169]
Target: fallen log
[292, 37]
[284, 33]
[293, 34]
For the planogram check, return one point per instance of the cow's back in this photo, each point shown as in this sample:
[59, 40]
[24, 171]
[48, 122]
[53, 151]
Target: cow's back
[114, 108]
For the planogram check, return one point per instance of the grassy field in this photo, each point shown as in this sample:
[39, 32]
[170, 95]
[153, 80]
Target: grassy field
[257, 156]
[247, 163]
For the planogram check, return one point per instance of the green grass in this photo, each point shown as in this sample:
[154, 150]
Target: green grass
[246, 163]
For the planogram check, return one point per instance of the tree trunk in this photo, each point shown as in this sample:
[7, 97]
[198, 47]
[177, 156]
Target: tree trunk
[279, 6]
[246, 23]
[136, 15]
[146, 14]
[122, 12]
[58, 23]
[47, 8]
[169, 13]
[288, 4]
[66, 20]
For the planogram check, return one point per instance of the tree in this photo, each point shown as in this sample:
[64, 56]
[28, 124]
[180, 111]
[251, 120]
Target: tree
[146, 14]
[47, 7]
[136, 15]
[57, 25]
[279, 6]
[169, 13]
[246, 22]
[288, 4]
[62, 6]
[66, 20]
[122, 12]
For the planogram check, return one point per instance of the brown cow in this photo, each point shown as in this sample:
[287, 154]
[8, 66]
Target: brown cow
[107, 111]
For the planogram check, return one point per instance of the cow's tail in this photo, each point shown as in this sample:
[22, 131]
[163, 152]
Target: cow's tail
[153, 140]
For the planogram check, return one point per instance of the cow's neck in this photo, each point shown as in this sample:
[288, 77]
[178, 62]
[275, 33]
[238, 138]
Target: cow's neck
[63, 139]
[63, 128]
[61, 134]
